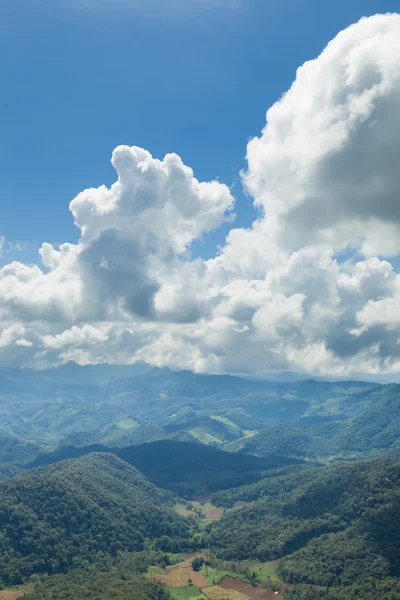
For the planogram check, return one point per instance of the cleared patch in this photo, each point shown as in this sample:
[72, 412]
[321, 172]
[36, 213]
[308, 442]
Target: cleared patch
[256, 593]
[216, 592]
[11, 594]
[183, 511]
[180, 574]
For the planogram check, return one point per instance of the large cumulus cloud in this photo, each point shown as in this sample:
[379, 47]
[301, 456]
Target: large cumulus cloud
[325, 169]
[311, 287]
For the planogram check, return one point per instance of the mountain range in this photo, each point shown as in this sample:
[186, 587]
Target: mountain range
[129, 405]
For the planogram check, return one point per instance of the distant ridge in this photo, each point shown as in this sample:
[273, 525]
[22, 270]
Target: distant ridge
[185, 468]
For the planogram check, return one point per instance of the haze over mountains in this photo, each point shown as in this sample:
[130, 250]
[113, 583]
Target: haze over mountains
[133, 404]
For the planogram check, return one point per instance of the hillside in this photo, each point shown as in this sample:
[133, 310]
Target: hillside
[374, 431]
[188, 468]
[120, 579]
[336, 526]
[55, 517]
[128, 405]
[185, 468]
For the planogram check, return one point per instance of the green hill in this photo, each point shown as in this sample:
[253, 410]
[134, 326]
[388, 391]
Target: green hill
[125, 405]
[62, 515]
[188, 468]
[185, 468]
[372, 432]
[119, 579]
[336, 526]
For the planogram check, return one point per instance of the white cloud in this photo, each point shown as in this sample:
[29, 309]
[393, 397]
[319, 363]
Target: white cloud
[325, 178]
[325, 167]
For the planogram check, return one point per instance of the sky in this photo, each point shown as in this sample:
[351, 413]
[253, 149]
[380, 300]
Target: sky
[260, 245]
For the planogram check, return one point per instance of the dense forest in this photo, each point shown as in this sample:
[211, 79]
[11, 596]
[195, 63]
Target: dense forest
[374, 431]
[119, 579]
[185, 468]
[333, 527]
[64, 515]
[307, 473]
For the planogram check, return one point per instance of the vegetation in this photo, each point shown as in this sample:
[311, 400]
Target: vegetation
[8, 471]
[121, 580]
[187, 593]
[336, 527]
[373, 431]
[370, 588]
[197, 563]
[333, 527]
[61, 516]
[188, 468]
[119, 406]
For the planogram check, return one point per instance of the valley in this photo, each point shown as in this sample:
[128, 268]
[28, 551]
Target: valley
[135, 404]
[299, 499]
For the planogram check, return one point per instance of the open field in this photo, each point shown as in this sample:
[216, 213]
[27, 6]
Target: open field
[187, 593]
[216, 583]
[183, 511]
[211, 512]
[208, 512]
[179, 575]
[263, 571]
[11, 594]
[218, 593]
[256, 593]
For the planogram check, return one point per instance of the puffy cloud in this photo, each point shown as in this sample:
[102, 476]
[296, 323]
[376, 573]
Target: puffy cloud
[310, 287]
[325, 167]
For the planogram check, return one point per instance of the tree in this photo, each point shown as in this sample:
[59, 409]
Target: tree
[197, 563]
[253, 579]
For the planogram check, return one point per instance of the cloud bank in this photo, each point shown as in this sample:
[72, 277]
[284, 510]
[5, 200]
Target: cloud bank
[311, 287]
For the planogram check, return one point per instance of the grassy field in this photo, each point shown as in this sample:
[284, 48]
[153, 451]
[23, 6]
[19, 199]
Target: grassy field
[209, 581]
[186, 593]
[205, 513]
[217, 593]
[214, 575]
[263, 571]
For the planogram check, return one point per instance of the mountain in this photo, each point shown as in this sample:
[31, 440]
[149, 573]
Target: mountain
[189, 469]
[14, 450]
[127, 405]
[337, 527]
[185, 468]
[373, 431]
[60, 516]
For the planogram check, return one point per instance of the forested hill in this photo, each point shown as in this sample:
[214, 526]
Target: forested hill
[132, 404]
[59, 516]
[185, 468]
[338, 527]
[373, 431]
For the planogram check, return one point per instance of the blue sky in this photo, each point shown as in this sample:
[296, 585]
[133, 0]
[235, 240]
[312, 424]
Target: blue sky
[193, 77]
[313, 287]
